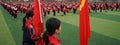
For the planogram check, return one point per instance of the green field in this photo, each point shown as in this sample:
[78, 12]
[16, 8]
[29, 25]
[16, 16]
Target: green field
[104, 28]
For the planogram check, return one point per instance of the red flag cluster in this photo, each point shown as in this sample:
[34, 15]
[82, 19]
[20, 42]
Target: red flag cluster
[84, 20]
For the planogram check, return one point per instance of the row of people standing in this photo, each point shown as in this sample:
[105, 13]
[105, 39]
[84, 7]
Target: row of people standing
[11, 8]
[15, 8]
[63, 7]
[95, 6]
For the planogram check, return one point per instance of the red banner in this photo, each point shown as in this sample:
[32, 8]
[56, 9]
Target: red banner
[84, 22]
[38, 19]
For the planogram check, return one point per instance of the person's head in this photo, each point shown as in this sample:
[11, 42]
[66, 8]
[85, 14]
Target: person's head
[53, 26]
[29, 15]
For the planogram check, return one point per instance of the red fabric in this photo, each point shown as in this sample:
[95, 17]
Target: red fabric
[84, 24]
[54, 40]
[58, 7]
[33, 37]
[75, 7]
[21, 8]
[38, 19]
[45, 9]
[64, 9]
[54, 8]
[28, 25]
[49, 8]
[15, 12]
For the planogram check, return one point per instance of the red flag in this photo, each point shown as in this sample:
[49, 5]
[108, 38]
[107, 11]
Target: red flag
[84, 22]
[38, 19]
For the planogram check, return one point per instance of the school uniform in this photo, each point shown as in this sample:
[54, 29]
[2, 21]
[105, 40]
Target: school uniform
[58, 7]
[54, 10]
[49, 8]
[29, 34]
[69, 7]
[62, 6]
[53, 40]
[21, 9]
[64, 10]
[45, 10]
[25, 9]
[15, 12]
[74, 9]
[101, 7]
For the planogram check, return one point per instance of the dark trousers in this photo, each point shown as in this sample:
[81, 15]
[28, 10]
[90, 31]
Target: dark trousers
[44, 13]
[54, 13]
[74, 11]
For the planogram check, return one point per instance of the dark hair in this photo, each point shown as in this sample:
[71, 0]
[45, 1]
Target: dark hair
[28, 14]
[51, 25]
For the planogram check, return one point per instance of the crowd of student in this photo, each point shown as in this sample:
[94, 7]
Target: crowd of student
[49, 7]
[60, 7]
[100, 6]
[14, 8]
[11, 8]
[53, 25]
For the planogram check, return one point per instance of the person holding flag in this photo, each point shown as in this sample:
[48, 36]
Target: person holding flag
[29, 34]
[33, 26]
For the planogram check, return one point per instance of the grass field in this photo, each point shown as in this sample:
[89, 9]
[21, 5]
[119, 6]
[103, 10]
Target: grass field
[104, 28]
